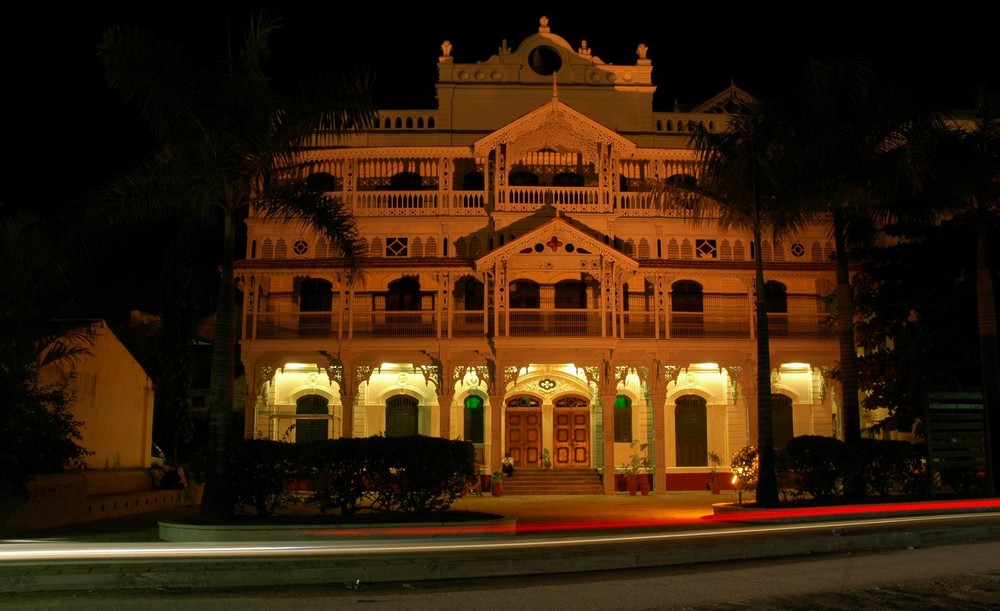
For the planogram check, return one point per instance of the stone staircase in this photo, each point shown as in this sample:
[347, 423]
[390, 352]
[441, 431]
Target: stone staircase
[553, 481]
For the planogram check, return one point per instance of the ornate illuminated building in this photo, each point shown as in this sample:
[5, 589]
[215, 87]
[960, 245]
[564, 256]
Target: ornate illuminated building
[524, 287]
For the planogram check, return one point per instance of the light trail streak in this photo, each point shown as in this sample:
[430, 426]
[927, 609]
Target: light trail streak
[49, 552]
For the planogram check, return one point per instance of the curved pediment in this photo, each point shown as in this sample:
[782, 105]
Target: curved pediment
[556, 245]
[558, 127]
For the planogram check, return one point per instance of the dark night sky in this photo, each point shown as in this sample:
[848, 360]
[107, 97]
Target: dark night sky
[65, 133]
[61, 116]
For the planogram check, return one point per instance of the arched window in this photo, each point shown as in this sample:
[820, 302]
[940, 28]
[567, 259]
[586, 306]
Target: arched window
[403, 295]
[473, 181]
[623, 419]
[400, 416]
[315, 295]
[567, 179]
[471, 293]
[781, 420]
[686, 309]
[691, 429]
[777, 308]
[571, 294]
[474, 419]
[311, 429]
[524, 294]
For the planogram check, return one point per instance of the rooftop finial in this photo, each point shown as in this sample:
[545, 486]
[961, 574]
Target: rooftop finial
[555, 87]
[543, 24]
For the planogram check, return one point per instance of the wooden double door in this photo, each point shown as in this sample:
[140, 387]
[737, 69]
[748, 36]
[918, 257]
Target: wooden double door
[570, 437]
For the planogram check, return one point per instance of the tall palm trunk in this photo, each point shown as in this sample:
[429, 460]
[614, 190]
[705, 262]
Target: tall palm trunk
[848, 369]
[989, 360]
[767, 481]
[217, 502]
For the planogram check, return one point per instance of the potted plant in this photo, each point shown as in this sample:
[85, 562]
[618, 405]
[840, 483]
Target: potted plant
[496, 483]
[638, 464]
[546, 459]
[714, 462]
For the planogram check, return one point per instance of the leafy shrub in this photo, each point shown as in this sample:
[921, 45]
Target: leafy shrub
[419, 474]
[336, 471]
[889, 466]
[817, 464]
[745, 467]
[260, 472]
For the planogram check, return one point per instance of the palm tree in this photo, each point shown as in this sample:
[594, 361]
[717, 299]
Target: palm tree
[35, 332]
[854, 139]
[228, 140]
[968, 183]
[744, 179]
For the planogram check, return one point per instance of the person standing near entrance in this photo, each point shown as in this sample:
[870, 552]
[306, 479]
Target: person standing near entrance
[507, 464]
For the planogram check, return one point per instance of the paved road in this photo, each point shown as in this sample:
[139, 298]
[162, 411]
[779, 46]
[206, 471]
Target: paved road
[562, 535]
[953, 576]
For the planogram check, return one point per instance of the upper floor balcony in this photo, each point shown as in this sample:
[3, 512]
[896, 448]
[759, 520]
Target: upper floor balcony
[721, 316]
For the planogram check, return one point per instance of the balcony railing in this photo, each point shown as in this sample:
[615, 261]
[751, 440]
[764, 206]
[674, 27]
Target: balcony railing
[722, 317]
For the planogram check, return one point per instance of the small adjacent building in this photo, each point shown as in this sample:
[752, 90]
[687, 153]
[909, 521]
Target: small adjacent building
[113, 400]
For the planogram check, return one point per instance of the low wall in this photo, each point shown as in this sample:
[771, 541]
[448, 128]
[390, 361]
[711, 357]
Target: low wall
[59, 499]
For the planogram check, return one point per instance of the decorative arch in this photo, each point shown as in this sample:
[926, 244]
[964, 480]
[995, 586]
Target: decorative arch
[691, 430]
[781, 420]
[401, 416]
[312, 429]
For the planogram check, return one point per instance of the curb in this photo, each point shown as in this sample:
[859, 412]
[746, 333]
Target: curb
[181, 532]
[396, 567]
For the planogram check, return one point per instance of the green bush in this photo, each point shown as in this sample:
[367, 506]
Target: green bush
[260, 472]
[817, 464]
[336, 473]
[889, 467]
[744, 465]
[419, 474]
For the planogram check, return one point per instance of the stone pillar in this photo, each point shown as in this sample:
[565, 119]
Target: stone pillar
[347, 398]
[444, 416]
[608, 422]
[496, 431]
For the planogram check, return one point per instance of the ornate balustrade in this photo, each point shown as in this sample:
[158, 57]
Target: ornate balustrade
[722, 317]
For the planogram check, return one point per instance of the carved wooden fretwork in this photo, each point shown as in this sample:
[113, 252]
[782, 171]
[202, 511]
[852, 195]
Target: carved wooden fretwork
[556, 136]
[555, 118]
[593, 374]
[510, 375]
[621, 373]
[670, 373]
[432, 374]
[735, 379]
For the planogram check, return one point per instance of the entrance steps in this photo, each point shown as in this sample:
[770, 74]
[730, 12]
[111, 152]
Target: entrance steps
[553, 481]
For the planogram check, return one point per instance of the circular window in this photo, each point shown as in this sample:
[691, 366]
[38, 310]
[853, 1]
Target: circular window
[300, 247]
[544, 60]
[539, 247]
[798, 249]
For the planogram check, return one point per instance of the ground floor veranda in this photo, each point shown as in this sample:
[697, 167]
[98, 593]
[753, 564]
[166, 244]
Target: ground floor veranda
[574, 412]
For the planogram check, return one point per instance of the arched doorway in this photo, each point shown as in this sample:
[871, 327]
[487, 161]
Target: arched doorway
[781, 420]
[312, 429]
[571, 432]
[524, 430]
[691, 430]
[400, 416]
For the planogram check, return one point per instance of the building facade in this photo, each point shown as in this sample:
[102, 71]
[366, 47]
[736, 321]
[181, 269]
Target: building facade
[526, 286]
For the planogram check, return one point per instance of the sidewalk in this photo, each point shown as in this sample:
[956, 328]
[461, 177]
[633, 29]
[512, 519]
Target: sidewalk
[684, 522]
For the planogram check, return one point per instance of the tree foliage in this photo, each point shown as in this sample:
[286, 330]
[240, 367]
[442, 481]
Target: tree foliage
[916, 325]
[42, 435]
[228, 140]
